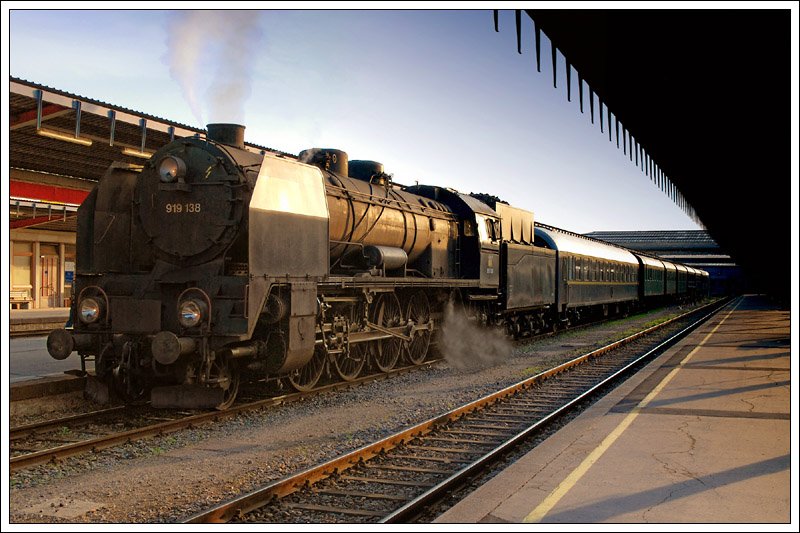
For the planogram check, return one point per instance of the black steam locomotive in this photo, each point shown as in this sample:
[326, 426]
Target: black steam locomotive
[212, 263]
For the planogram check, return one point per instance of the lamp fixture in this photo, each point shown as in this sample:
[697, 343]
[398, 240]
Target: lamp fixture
[137, 153]
[64, 137]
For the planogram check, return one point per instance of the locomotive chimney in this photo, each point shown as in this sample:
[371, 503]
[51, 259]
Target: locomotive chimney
[231, 134]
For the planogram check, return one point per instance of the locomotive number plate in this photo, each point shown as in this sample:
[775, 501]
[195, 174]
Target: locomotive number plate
[183, 208]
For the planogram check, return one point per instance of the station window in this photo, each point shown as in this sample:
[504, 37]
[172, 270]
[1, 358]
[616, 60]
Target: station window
[69, 273]
[21, 267]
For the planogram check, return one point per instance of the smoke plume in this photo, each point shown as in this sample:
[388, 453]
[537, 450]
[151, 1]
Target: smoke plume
[467, 346]
[211, 55]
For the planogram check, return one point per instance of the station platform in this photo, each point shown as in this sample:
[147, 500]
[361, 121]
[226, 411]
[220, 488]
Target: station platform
[36, 321]
[701, 435]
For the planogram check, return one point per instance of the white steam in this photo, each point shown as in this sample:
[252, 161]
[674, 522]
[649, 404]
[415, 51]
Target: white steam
[211, 55]
[467, 346]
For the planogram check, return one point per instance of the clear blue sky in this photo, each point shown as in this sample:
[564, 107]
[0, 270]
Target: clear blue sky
[437, 96]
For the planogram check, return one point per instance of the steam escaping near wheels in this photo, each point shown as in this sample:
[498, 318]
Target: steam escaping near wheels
[469, 347]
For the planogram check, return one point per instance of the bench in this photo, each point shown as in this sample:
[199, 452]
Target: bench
[20, 300]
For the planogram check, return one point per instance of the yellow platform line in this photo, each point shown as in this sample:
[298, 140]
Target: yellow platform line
[554, 497]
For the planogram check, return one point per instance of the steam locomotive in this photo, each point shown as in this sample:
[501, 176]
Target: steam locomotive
[212, 264]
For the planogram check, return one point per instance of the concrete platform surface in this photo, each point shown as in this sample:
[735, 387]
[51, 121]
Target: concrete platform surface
[701, 435]
[18, 316]
[23, 322]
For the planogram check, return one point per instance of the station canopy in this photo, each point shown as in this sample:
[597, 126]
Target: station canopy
[61, 144]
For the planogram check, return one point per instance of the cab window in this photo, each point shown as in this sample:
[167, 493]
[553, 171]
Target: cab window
[481, 223]
[488, 230]
[469, 228]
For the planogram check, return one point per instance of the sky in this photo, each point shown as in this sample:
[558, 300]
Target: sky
[437, 96]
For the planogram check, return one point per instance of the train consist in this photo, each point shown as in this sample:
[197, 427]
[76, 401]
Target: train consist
[212, 264]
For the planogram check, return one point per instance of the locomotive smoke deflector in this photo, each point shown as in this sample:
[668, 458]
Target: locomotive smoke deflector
[230, 134]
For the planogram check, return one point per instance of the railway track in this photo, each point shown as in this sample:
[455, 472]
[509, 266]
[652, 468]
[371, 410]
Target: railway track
[53, 440]
[397, 478]
[57, 439]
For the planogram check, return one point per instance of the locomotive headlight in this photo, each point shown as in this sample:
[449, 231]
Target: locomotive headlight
[171, 168]
[191, 312]
[89, 310]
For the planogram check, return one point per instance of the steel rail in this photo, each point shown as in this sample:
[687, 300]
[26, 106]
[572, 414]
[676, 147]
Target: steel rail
[19, 432]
